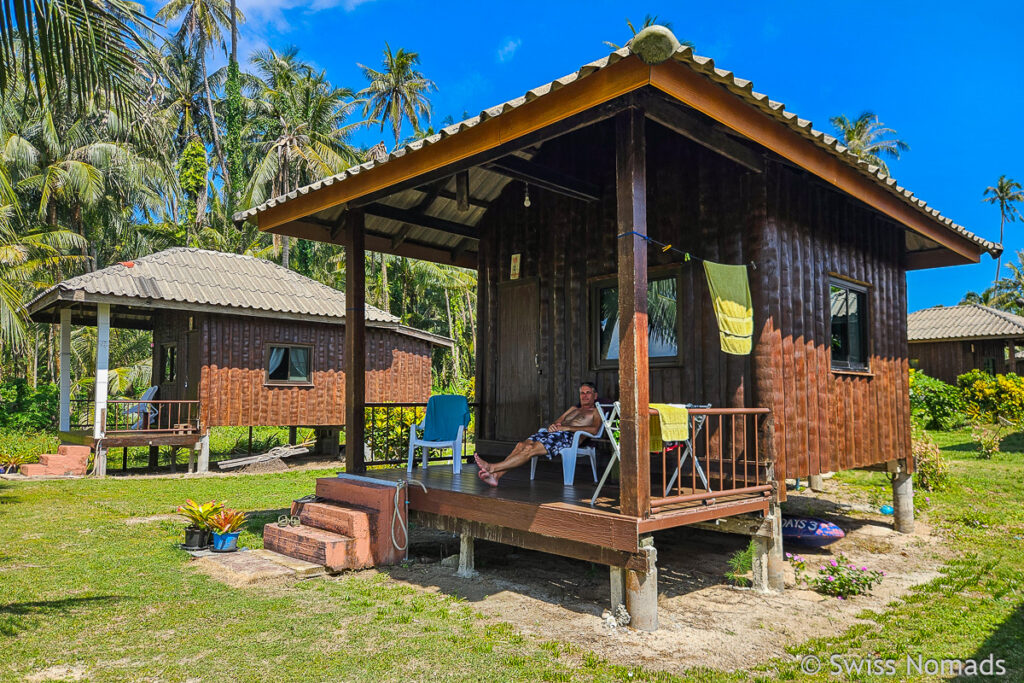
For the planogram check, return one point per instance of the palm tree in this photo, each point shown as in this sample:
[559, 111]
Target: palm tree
[397, 93]
[69, 49]
[866, 137]
[201, 23]
[649, 20]
[1006, 193]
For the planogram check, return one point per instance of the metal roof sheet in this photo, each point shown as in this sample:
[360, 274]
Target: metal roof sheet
[684, 55]
[967, 321]
[197, 276]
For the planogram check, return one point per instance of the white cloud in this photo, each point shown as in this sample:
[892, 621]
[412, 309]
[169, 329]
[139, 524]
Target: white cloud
[508, 49]
[272, 11]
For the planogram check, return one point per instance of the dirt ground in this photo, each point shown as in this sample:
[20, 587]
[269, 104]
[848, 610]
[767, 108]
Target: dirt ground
[704, 621]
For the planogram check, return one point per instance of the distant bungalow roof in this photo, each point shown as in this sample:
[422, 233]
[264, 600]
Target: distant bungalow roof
[198, 279]
[967, 321]
[683, 55]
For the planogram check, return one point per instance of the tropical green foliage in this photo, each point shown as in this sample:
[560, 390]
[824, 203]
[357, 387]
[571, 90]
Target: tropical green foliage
[869, 139]
[935, 404]
[200, 515]
[989, 398]
[1006, 194]
[23, 407]
[398, 92]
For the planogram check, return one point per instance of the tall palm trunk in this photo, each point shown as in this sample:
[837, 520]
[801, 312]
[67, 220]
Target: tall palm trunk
[386, 298]
[999, 259]
[456, 366]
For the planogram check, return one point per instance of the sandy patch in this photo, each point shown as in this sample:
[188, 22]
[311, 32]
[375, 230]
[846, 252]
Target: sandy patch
[704, 621]
[61, 672]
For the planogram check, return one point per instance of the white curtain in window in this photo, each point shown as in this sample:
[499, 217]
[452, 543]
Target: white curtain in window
[276, 358]
[298, 365]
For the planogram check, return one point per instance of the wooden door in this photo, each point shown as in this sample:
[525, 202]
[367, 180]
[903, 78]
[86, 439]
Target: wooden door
[191, 366]
[517, 399]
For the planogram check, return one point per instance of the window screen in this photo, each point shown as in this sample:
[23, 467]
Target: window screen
[849, 326]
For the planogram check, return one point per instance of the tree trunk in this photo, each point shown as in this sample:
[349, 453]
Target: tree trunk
[386, 299]
[456, 366]
[34, 360]
[999, 259]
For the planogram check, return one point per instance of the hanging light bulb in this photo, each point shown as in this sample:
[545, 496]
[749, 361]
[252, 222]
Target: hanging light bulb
[526, 196]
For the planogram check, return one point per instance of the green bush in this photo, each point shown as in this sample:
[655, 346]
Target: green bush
[843, 579]
[935, 404]
[27, 443]
[25, 408]
[931, 471]
[988, 397]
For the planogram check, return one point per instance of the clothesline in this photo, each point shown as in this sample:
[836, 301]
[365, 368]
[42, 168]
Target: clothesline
[687, 256]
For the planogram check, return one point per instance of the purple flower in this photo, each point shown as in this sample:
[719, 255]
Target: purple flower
[831, 579]
[833, 563]
[840, 597]
[789, 555]
[822, 567]
[863, 569]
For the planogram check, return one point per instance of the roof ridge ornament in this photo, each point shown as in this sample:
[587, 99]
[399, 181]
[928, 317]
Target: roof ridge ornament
[654, 44]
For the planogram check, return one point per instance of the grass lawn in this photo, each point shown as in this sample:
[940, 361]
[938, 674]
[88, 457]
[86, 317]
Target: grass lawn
[81, 587]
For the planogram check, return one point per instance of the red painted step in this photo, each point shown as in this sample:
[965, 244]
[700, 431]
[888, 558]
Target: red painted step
[332, 550]
[77, 451]
[346, 521]
[33, 470]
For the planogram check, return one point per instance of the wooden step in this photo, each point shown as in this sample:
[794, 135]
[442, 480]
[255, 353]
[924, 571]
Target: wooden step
[312, 545]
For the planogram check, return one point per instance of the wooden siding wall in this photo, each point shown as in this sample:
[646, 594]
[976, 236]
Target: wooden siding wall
[233, 392]
[171, 327]
[796, 231]
[948, 360]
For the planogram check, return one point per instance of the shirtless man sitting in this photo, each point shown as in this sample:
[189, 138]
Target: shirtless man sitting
[550, 442]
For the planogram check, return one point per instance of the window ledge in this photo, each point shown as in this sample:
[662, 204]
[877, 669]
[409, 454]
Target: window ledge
[855, 373]
[289, 385]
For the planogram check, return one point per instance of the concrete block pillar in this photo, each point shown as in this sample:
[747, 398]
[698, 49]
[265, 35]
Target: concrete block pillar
[816, 483]
[903, 500]
[466, 564]
[642, 589]
[769, 561]
[618, 587]
[204, 453]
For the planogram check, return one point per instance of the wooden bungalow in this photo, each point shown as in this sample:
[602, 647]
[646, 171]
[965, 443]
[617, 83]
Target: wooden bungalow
[947, 341]
[237, 341]
[554, 198]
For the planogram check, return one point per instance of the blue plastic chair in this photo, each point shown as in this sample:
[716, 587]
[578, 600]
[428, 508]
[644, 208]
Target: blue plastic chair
[443, 426]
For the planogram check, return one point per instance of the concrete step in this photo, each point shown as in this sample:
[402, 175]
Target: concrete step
[312, 545]
[300, 568]
[33, 470]
[376, 500]
[77, 451]
[50, 459]
[346, 521]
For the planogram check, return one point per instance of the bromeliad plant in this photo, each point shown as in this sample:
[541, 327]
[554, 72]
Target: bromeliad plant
[227, 521]
[200, 516]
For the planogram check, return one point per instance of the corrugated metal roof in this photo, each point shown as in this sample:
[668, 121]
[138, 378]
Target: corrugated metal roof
[213, 278]
[968, 321]
[703, 65]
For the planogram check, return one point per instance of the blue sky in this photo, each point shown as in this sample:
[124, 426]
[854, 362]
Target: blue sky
[946, 75]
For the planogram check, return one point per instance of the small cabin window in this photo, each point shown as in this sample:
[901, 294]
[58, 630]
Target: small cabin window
[662, 321]
[990, 366]
[849, 314]
[168, 363]
[288, 365]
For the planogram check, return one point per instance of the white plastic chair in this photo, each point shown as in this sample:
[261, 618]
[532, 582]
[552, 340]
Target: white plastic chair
[455, 444]
[141, 409]
[570, 454]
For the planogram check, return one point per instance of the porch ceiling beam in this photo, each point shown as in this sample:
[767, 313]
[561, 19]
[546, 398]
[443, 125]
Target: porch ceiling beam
[420, 220]
[397, 240]
[545, 177]
[473, 201]
[689, 124]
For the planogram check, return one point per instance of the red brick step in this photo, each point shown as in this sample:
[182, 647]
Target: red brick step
[33, 470]
[312, 545]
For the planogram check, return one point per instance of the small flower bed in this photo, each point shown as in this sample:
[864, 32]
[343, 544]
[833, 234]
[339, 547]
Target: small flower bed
[844, 579]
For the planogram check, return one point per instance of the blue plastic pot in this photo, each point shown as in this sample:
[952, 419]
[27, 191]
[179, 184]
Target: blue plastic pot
[225, 542]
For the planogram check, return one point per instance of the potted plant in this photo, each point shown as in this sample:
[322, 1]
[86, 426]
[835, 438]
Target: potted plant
[226, 525]
[197, 533]
[11, 462]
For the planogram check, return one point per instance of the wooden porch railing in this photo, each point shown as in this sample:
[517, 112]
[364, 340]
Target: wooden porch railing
[387, 433]
[132, 416]
[727, 449]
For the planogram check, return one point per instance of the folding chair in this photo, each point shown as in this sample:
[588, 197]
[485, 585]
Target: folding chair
[697, 423]
[608, 421]
[570, 454]
[143, 411]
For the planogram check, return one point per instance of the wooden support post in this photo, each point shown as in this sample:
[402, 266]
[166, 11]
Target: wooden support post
[462, 190]
[99, 463]
[631, 198]
[903, 500]
[768, 561]
[102, 365]
[174, 459]
[124, 459]
[642, 590]
[292, 435]
[204, 454]
[326, 442]
[249, 451]
[1011, 358]
[355, 340]
[64, 416]
[816, 482]
[618, 587]
[154, 457]
[466, 564]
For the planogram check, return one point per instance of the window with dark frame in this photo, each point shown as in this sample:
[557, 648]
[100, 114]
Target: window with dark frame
[288, 365]
[848, 304]
[663, 322]
[168, 362]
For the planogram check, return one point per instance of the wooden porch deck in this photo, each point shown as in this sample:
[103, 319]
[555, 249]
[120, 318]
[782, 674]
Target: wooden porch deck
[84, 437]
[542, 514]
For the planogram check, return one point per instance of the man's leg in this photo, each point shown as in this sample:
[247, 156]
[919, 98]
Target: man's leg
[519, 456]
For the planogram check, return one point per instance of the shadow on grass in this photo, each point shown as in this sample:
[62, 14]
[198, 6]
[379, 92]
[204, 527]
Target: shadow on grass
[16, 617]
[255, 520]
[1005, 643]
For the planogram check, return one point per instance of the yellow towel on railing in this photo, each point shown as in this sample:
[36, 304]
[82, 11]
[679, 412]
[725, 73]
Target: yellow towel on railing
[730, 295]
[672, 423]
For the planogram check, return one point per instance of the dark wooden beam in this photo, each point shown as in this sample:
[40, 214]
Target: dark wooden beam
[355, 340]
[634, 390]
[430, 193]
[688, 123]
[544, 177]
[420, 220]
[400, 237]
[462, 190]
[473, 201]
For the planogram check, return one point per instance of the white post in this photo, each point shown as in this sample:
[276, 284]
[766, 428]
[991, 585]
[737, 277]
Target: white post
[64, 412]
[102, 364]
[204, 453]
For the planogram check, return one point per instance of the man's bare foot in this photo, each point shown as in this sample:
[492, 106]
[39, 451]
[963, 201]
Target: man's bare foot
[489, 478]
[482, 464]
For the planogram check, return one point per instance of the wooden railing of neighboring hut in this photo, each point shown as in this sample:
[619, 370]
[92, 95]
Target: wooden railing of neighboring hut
[387, 433]
[132, 416]
[729, 451]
